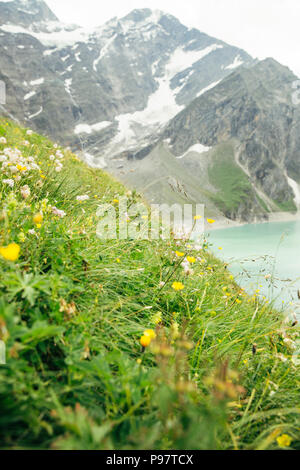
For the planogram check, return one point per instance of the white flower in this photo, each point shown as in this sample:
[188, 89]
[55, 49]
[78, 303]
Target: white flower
[13, 169]
[198, 247]
[58, 212]
[3, 140]
[290, 343]
[34, 166]
[25, 192]
[10, 183]
[26, 143]
[83, 198]
[3, 158]
[59, 166]
[187, 269]
[29, 132]
[52, 157]
[32, 232]
[281, 357]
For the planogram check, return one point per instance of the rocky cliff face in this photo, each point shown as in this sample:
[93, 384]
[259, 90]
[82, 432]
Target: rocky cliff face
[251, 110]
[150, 99]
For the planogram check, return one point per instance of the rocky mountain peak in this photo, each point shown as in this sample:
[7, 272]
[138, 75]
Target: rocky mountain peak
[25, 12]
[140, 15]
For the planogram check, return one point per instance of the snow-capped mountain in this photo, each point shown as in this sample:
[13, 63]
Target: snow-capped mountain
[173, 112]
[108, 90]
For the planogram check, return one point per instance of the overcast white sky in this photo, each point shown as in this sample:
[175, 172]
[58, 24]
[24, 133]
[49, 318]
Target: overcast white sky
[264, 28]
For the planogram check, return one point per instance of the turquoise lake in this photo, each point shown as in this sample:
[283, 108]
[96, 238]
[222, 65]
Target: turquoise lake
[259, 250]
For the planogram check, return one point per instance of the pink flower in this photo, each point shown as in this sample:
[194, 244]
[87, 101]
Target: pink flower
[25, 192]
[59, 213]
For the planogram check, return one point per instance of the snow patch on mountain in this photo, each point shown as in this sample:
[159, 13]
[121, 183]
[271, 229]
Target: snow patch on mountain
[197, 148]
[53, 38]
[34, 115]
[104, 51]
[209, 87]
[39, 81]
[183, 59]
[87, 129]
[296, 190]
[236, 63]
[134, 128]
[29, 95]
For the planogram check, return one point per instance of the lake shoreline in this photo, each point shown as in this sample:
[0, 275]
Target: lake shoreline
[263, 257]
[273, 218]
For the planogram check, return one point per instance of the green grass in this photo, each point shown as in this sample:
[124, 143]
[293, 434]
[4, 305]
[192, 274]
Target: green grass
[287, 206]
[262, 204]
[73, 309]
[232, 183]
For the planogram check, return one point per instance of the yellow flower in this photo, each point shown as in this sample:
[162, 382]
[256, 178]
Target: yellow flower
[191, 259]
[211, 221]
[38, 218]
[179, 254]
[284, 440]
[21, 168]
[116, 201]
[118, 260]
[22, 237]
[238, 301]
[157, 318]
[10, 252]
[150, 333]
[145, 341]
[198, 217]
[177, 286]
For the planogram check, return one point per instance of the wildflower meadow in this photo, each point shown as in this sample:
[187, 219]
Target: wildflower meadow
[126, 344]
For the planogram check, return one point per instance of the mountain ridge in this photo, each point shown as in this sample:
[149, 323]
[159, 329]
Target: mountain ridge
[127, 79]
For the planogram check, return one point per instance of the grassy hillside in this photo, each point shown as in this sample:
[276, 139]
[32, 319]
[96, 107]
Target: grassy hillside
[233, 184]
[219, 372]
